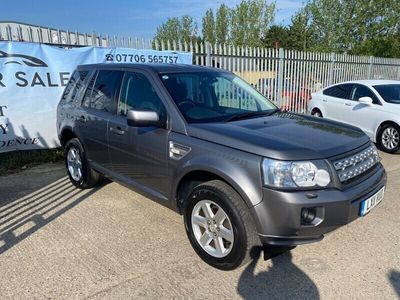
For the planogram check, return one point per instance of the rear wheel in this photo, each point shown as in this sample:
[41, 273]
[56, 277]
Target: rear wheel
[79, 171]
[219, 225]
[316, 113]
[389, 138]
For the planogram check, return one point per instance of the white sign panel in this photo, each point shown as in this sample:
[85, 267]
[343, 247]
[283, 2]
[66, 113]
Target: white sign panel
[33, 77]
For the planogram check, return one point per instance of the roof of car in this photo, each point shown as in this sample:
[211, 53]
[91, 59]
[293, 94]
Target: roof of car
[158, 68]
[371, 82]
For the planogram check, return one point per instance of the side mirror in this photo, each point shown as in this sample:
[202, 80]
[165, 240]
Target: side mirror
[366, 100]
[143, 118]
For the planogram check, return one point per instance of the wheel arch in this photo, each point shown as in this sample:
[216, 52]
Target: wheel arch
[379, 128]
[195, 175]
[316, 108]
[66, 135]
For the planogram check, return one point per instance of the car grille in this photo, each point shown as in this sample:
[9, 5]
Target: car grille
[356, 164]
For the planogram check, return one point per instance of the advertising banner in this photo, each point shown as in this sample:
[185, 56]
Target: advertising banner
[33, 78]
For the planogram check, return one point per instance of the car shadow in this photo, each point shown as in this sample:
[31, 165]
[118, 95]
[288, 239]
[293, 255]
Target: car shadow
[25, 211]
[394, 277]
[283, 280]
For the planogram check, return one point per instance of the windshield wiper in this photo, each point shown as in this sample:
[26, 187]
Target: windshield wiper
[252, 114]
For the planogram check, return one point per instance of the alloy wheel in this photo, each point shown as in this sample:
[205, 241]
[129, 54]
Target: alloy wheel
[390, 138]
[212, 228]
[74, 164]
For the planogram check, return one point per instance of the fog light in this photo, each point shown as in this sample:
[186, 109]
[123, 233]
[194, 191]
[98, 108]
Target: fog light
[308, 215]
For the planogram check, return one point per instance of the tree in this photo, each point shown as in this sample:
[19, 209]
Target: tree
[301, 35]
[388, 46]
[175, 29]
[250, 21]
[277, 36]
[342, 25]
[188, 29]
[246, 24]
[222, 24]
[169, 31]
[209, 27]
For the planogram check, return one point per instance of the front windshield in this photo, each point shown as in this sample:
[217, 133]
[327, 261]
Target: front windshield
[389, 92]
[204, 97]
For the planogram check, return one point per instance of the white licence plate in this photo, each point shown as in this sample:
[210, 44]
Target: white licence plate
[371, 202]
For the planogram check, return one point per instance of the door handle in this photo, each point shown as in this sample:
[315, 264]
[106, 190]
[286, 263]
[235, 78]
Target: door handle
[348, 104]
[82, 119]
[324, 100]
[117, 130]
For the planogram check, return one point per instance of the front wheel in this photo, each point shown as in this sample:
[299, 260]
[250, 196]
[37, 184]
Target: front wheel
[79, 171]
[389, 138]
[219, 225]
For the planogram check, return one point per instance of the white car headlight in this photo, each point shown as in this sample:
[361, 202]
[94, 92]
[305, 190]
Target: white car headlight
[292, 174]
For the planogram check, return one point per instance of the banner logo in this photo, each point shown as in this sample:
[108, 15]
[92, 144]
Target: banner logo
[30, 61]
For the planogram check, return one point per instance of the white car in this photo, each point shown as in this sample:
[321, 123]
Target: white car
[372, 105]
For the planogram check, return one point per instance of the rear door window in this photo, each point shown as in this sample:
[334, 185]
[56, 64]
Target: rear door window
[102, 90]
[105, 90]
[341, 91]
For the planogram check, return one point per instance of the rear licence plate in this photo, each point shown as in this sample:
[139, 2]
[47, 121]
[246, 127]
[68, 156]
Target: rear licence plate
[371, 202]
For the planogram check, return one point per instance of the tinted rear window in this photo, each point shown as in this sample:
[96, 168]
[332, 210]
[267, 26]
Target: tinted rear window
[75, 85]
[339, 91]
[103, 94]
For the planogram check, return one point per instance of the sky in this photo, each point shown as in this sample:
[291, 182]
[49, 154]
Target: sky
[123, 17]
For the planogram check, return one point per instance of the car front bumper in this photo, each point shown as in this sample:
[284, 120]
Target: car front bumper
[278, 216]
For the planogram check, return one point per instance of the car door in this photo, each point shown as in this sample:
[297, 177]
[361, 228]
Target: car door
[98, 106]
[334, 100]
[362, 115]
[140, 154]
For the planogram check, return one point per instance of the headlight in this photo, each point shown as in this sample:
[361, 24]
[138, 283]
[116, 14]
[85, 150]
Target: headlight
[292, 174]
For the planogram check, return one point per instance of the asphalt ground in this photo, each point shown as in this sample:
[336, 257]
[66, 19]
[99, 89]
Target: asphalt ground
[58, 242]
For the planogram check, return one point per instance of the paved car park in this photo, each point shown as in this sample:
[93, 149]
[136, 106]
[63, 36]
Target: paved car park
[109, 242]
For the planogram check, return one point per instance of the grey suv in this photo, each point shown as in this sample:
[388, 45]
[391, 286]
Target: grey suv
[204, 143]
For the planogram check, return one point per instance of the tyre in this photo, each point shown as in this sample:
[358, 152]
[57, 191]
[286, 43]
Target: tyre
[219, 225]
[79, 171]
[389, 138]
[316, 113]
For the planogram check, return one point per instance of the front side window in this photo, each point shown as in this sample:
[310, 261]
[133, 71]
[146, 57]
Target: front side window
[339, 91]
[389, 92]
[363, 91]
[213, 96]
[137, 92]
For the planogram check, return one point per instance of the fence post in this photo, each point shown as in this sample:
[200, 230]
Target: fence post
[371, 62]
[398, 72]
[332, 68]
[9, 33]
[280, 75]
[208, 54]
